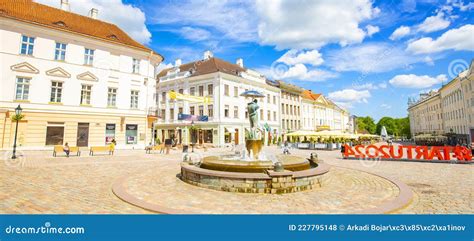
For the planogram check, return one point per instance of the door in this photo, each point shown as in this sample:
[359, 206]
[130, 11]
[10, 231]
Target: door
[82, 134]
[236, 136]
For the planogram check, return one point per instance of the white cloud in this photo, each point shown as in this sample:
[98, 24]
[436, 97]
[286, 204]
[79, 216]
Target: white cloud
[162, 66]
[229, 20]
[434, 23]
[195, 34]
[416, 81]
[370, 86]
[301, 72]
[371, 30]
[128, 18]
[292, 57]
[385, 106]
[370, 58]
[400, 32]
[312, 24]
[350, 95]
[457, 39]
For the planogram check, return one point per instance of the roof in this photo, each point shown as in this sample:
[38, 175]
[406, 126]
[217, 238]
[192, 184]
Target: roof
[207, 66]
[309, 95]
[39, 14]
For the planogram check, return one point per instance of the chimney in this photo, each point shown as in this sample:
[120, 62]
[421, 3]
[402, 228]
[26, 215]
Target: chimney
[177, 62]
[240, 62]
[65, 5]
[208, 54]
[93, 13]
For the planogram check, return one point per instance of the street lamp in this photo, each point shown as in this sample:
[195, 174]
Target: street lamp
[17, 117]
[193, 138]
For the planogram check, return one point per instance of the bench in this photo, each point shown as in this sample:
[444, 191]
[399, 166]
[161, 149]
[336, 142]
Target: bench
[60, 149]
[107, 149]
[160, 148]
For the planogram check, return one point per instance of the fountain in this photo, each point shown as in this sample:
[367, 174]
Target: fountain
[252, 170]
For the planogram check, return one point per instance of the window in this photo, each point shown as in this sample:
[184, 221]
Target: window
[226, 90]
[163, 114]
[261, 114]
[112, 97]
[236, 91]
[210, 110]
[274, 115]
[134, 99]
[180, 110]
[27, 44]
[236, 112]
[201, 90]
[22, 88]
[131, 134]
[86, 94]
[163, 97]
[192, 91]
[274, 99]
[226, 111]
[201, 110]
[109, 133]
[171, 113]
[136, 66]
[269, 115]
[268, 98]
[210, 90]
[88, 56]
[54, 134]
[181, 91]
[191, 110]
[60, 52]
[56, 91]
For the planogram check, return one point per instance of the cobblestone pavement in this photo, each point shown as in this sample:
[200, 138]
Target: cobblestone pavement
[342, 191]
[438, 187]
[38, 183]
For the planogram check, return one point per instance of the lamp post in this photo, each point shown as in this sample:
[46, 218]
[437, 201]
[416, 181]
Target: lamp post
[17, 117]
[193, 138]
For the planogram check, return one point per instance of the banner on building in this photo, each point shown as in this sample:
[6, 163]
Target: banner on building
[187, 117]
[191, 98]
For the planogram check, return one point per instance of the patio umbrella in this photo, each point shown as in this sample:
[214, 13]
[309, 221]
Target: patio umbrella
[253, 94]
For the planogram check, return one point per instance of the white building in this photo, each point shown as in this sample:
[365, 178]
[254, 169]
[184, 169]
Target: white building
[320, 113]
[448, 110]
[222, 82]
[78, 79]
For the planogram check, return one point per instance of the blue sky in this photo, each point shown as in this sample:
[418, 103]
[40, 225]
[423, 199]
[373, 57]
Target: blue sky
[367, 56]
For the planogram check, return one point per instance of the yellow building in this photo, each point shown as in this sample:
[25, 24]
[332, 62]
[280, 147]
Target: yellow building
[78, 79]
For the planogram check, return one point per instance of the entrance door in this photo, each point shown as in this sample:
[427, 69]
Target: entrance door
[82, 134]
[236, 136]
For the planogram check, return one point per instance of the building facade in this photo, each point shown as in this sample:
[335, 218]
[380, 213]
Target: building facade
[425, 115]
[79, 80]
[291, 104]
[220, 83]
[320, 113]
[448, 110]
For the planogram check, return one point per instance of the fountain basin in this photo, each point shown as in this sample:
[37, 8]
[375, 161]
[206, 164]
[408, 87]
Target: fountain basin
[230, 164]
[270, 182]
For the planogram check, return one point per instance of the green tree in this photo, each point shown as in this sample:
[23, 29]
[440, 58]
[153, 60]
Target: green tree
[394, 126]
[366, 124]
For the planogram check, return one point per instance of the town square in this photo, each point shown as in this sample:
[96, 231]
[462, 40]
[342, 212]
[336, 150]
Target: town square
[173, 114]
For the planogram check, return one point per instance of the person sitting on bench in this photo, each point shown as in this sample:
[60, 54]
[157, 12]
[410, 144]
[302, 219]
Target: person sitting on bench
[66, 149]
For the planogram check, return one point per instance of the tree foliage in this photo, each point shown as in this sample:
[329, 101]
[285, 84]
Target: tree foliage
[394, 126]
[366, 124]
